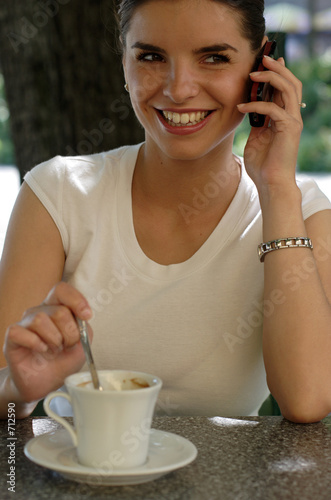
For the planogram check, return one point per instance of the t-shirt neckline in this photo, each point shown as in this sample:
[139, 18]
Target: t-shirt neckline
[137, 259]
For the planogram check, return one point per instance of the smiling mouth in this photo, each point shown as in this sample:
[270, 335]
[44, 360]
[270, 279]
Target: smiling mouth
[184, 119]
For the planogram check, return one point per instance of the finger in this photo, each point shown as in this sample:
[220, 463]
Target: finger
[66, 324]
[274, 113]
[18, 336]
[55, 325]
[279, 67]
[285, 91]
[67, 295]
[281, 60]
[277, 97]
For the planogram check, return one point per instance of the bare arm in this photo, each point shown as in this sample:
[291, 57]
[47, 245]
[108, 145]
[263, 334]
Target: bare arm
[297, 336]
[36, 340]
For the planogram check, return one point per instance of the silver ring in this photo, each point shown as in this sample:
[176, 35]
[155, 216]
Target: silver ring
[302, 105]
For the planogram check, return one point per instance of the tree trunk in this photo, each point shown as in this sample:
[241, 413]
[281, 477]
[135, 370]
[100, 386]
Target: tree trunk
[63, 79]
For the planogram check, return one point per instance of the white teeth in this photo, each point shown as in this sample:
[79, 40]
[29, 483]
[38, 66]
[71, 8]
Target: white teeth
[177, 119]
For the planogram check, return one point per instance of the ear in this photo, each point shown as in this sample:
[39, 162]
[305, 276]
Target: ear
[264, 41]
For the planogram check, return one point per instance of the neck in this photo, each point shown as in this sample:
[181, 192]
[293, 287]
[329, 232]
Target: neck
[211, 180]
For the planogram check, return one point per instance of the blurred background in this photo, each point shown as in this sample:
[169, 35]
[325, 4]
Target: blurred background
[303, 31]
[61, 84]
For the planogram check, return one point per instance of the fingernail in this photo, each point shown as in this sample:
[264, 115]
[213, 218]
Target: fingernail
[241, 105]
[42, 347]
[268, 57]
[255, 73]
[85, 312]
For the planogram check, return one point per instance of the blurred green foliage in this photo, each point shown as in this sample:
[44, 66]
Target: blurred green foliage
[315, 145]
[6, 145]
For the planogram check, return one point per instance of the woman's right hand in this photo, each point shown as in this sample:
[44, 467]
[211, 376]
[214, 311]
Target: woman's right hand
[44, 347]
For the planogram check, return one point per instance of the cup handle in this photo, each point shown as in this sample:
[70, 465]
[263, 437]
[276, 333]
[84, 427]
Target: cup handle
[52, 414]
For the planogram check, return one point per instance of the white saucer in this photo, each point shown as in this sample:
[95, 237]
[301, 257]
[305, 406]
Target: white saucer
[166, 453]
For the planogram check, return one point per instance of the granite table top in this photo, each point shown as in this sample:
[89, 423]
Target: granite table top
[240, 458]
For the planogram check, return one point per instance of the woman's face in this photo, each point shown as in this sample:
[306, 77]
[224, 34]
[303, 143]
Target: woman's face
[187, 66]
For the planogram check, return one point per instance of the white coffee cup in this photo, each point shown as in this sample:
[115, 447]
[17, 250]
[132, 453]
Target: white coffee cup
[111, 427]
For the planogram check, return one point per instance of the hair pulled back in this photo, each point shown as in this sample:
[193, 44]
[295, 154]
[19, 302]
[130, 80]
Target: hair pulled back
[251, 12]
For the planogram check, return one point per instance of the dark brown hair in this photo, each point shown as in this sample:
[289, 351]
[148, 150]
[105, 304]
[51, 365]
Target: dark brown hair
[251, 12]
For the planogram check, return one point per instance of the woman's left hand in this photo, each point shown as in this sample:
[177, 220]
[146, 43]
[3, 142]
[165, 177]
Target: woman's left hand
[271, 151]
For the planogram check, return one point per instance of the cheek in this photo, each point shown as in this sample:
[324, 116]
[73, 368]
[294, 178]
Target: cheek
[145, 83]
[238, 89]
[230, 91]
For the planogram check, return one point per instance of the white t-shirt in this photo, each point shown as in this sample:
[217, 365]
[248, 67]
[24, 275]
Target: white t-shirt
[197, 324]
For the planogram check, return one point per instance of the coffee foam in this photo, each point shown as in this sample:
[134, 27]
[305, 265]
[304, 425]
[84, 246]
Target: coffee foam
[113, 384]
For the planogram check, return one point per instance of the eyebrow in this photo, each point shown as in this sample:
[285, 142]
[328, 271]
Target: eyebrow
[221, 47]
[147, 46]
[203, 50]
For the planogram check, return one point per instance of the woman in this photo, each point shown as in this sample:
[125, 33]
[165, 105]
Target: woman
[155, 244]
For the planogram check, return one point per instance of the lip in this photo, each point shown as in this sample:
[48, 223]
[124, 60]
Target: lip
[183, 130]
[186, 110]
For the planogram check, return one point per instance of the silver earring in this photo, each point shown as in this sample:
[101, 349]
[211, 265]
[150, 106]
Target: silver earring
[126, 86]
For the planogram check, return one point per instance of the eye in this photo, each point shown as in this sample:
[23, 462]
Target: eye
[216, 59]
[149, 57]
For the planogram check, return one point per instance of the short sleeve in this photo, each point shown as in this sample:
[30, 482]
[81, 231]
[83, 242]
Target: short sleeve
[46, 181]
[313, 198]
[75, 191]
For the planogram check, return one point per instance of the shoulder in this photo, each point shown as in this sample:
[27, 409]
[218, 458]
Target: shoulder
[80, 173]
[313, 198]
[79, 167]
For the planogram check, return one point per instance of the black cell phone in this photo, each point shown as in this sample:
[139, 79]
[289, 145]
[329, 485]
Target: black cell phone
[261, 91]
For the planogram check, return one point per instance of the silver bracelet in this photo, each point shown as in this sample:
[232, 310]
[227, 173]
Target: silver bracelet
[265, 248]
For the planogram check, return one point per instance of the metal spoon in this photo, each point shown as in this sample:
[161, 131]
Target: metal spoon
[88, 353]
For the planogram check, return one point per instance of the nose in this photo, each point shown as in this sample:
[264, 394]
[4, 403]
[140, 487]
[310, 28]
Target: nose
[180, 83]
